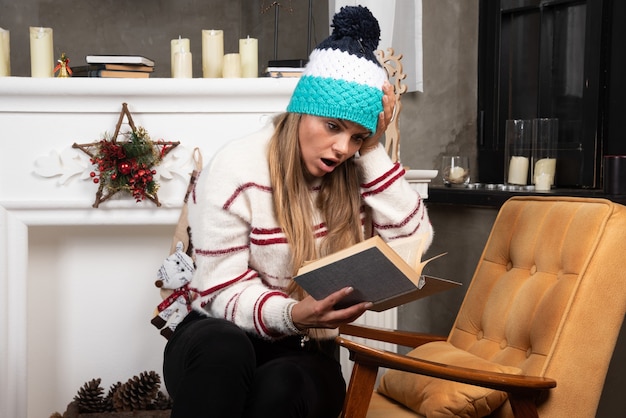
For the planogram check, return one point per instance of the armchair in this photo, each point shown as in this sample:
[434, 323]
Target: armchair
[534, 335]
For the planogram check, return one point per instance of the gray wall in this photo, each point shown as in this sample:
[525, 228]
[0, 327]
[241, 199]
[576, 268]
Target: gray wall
[145, 27]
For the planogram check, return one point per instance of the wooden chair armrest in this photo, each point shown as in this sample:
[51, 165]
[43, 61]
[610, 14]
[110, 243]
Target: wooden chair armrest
[499, 381]
[404, 338]
[523, 391]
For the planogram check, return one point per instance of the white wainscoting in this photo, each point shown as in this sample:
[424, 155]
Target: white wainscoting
[76, 282]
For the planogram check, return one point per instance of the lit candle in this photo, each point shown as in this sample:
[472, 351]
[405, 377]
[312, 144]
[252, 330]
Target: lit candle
[5, 53]
[518, 170]
[232, 66]
[41, 52]
[177, 45]
[249, 51]
[212, 53]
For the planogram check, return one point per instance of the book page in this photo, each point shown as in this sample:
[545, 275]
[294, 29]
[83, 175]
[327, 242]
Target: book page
[409, 248]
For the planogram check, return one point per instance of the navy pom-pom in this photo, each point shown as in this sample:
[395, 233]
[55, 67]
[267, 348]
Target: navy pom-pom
[359, 23]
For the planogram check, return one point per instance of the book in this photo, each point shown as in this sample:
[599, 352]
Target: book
[112, 74]
[278, 72]
[287, 63]
[119, 59]
[114, 67]
[386, 274]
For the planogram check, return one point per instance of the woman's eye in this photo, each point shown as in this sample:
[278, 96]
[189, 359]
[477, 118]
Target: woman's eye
[332, 126]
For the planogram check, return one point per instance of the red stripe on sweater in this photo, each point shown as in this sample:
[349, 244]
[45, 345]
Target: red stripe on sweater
[224, 251]
[272, 241]
[405, 220]
[229, 313]
[247, 275]
[258, 308]
[241, 189]
[266, 231]
[385, 185]
[385, 175]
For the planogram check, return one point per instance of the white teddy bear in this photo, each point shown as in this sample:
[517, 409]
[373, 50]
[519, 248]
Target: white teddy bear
[175, 274]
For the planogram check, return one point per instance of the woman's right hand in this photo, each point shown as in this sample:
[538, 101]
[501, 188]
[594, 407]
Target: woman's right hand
[311, 313]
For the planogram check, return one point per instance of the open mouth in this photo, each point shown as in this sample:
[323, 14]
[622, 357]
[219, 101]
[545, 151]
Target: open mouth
[329, 163]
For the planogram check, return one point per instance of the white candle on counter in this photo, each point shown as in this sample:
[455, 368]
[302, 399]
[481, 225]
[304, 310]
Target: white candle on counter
[232, 66]
[518, 170]
[176, 46]
[5, 53]
[545, 167]
[212, 53]
[41, 52]
[542, 182]
[249, 51]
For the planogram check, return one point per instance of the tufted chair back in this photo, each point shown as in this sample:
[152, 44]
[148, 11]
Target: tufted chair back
[549, 295]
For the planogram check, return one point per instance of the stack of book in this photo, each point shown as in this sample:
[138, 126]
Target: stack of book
[115, 66]
[285, 68]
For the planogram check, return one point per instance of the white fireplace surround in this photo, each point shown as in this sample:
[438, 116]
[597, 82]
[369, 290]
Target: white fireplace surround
[55, 336]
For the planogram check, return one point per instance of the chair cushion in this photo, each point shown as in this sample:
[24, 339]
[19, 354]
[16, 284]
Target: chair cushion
[434, 397]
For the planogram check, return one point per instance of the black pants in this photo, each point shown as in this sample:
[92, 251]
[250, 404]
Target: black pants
[213, 369]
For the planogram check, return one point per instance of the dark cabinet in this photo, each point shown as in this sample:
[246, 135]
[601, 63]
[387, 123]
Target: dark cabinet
[552, 59]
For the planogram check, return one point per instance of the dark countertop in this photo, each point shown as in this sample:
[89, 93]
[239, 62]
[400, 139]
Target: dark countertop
[481, 196]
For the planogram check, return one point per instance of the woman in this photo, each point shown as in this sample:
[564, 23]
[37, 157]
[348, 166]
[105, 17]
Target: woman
[316, 182]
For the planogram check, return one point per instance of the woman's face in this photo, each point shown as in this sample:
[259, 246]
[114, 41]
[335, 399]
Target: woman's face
[325, 143]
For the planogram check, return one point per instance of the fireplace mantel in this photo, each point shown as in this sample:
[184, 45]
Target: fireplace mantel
[40, 119]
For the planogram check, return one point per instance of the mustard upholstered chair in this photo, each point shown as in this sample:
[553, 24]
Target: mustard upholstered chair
[537, 327]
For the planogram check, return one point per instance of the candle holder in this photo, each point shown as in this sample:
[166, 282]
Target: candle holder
[545, 133]
[518, 142]
[455, 170]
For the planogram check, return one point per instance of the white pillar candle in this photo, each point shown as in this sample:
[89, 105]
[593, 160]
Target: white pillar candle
[249, 51]
[518, 170]
[545, 167]
[41, 52]
[177, 45]
[232, 66]
[5, 53]
[182, 65]
[542, 182]
[212, 53]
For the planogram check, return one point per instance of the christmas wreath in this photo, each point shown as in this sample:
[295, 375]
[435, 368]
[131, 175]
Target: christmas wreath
[128, 165]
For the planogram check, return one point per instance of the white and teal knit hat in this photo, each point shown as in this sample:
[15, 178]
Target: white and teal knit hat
[343, 79]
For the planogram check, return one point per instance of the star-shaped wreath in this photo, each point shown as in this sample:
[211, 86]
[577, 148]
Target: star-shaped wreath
[128, 165]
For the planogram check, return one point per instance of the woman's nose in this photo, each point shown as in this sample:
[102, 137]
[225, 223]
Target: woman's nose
[341, 145]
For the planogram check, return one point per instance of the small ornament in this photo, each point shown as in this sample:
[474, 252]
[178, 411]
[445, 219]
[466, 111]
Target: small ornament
[63, 67]
[126, 166]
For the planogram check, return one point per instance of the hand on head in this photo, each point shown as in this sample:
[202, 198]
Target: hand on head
[384, 119]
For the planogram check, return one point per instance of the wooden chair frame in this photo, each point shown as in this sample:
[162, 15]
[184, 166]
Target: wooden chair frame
[523, 391]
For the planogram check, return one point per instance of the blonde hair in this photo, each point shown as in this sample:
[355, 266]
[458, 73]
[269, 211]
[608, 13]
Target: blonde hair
[338, 200]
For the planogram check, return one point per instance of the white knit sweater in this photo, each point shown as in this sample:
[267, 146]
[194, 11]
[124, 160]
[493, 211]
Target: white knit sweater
[242, 258]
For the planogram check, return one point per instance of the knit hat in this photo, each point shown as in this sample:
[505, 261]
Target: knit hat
[343, 79]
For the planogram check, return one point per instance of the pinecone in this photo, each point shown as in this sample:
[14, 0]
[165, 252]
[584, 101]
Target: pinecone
[89, 397]
[137, 393]
[162, 402]
[109, 406]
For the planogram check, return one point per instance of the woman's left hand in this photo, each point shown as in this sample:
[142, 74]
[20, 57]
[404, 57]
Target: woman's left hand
[311, 313]
[384, 118]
